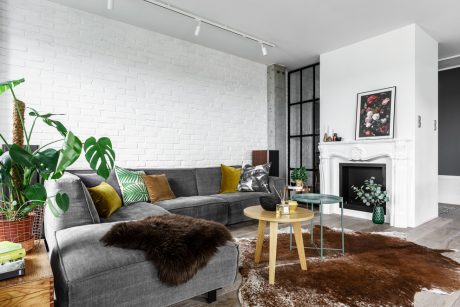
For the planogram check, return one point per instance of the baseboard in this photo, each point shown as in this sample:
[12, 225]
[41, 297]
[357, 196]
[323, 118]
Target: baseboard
[449, 190]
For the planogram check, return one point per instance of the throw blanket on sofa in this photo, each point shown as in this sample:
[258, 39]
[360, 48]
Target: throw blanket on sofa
[177, 245]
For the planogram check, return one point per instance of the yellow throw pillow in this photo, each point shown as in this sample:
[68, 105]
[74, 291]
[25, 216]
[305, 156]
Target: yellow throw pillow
[158, 187]
[105, 198]
[230, 179]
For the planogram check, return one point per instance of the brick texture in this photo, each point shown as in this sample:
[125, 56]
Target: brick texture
[162, 101]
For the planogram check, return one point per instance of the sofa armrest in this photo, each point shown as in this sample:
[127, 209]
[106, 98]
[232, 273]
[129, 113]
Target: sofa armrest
[81, 210]
[276, 183]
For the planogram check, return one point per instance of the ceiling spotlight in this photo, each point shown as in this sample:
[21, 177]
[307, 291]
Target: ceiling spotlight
[264, 49]
[199, 19]
[109, 4]
[198, 27]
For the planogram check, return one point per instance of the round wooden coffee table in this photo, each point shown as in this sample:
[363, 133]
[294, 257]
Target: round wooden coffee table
[264, 217]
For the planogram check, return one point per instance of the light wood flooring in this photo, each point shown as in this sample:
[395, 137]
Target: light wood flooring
[440, 233]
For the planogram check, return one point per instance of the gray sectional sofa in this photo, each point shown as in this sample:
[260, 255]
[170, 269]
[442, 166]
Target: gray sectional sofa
[87, 273]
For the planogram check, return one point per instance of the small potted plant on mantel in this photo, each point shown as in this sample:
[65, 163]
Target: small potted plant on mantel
[371, 194]
[20, 196]
[300, 176]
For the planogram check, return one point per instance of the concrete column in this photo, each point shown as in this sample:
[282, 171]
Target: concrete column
[277, 116]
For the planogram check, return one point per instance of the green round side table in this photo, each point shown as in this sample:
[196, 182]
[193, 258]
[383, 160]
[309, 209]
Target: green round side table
[320, 199]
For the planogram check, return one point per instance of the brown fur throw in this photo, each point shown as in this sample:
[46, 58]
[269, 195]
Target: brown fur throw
[177, 245]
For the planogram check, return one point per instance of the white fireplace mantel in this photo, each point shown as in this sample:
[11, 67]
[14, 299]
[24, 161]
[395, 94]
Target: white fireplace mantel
[396, 154]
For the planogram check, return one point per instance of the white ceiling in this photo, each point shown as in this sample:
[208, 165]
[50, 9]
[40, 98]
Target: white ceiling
[301, 29]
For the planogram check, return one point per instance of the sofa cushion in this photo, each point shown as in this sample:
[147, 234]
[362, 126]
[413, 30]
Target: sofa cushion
[229, 179]
[206, 207]
[81, 210]
[237, 202]
[254, 178]
[208, 180]
[136, 211]
[132, 186]
[158, 187]
[182, 181]
[113, 181]
[89, 274]
[105, 199]
[89, 179]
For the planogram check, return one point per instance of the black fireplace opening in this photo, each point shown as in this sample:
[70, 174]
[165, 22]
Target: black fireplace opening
[354, 174]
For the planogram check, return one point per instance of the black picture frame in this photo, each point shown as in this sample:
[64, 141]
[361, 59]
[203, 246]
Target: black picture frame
[375, 114]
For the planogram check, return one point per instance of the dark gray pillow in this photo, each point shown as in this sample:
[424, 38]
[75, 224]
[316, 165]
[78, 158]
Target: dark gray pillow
[113, 181]
[254, 178]
[90, 180]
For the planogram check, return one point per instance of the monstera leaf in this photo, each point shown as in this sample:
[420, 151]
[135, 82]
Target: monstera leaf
[58, 204]
[48, 159]
[50, 122]
[100, 155]
[22, 157]
[5, 86]
[36, 193]
[69, 153]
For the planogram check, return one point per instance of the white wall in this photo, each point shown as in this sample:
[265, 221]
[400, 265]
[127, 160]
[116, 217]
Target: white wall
[382, 61]
[162, 101]
[449, 192]
[426, 138]
[405, 58]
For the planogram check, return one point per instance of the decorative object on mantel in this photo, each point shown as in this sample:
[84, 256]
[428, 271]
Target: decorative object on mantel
[300, 176]
[371, 194]
[373, 260]
[375, 114]
[22, 197]
[331, 138]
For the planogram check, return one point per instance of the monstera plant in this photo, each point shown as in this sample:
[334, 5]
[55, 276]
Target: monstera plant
[20, 164]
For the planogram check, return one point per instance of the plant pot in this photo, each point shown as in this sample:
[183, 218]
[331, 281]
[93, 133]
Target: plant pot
[299, 183]
[378, 215]
[17, 231]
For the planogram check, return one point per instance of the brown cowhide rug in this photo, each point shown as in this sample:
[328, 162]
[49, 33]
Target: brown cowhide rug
[376, 270]
[177, 245]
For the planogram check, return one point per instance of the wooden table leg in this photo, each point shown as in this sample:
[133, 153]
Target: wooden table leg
[260, 240]
[272, 252]
[299, 244]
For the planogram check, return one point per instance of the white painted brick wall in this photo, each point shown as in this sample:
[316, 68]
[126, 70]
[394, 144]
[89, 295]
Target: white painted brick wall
[164, 102]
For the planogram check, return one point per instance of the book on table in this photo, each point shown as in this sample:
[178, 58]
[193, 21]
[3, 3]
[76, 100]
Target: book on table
[12, 263]
[6, 246]
[13, 255]
[11, 274]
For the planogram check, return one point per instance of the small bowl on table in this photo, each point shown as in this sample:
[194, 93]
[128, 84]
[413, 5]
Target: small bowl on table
[269, 202]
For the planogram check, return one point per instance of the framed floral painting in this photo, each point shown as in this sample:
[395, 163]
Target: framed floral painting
[375, 114]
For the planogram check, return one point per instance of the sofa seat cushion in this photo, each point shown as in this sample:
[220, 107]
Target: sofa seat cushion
[237, 202]
[87, 273]
[205, 207]
[135, 211]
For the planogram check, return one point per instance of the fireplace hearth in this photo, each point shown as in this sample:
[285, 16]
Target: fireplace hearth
[354, 174]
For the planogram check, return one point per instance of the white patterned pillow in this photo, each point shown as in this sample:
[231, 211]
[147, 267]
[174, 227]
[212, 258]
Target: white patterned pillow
[254, 178]
[132, 186]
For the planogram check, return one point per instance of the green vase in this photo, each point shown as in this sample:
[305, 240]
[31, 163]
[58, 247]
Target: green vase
[378, 215]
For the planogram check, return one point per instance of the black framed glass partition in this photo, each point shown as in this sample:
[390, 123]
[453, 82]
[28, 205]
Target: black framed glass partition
[303, 122]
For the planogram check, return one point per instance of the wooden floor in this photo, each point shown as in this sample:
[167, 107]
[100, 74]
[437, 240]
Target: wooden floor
[442, 233]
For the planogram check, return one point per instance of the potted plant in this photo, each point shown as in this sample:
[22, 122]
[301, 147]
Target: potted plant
[19, 164]
[371, 194]
[299, 175]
